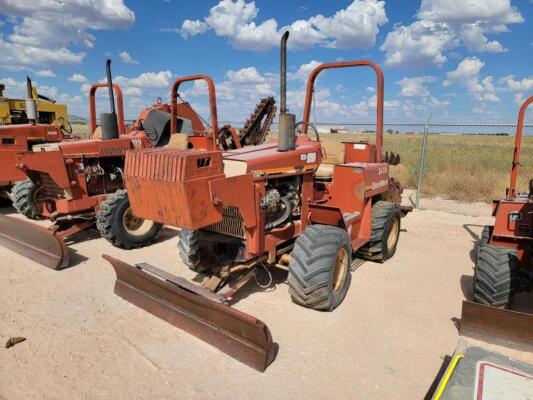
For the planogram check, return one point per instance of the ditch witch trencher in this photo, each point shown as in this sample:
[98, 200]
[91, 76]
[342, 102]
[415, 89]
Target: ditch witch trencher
[298, 204]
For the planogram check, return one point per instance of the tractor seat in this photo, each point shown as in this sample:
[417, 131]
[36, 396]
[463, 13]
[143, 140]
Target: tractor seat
[178, 141]
[334, 155]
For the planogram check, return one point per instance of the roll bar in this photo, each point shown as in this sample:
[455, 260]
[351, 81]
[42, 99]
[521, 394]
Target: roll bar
[92, 106]
[379, 102]
[212, 102]
[517, 148]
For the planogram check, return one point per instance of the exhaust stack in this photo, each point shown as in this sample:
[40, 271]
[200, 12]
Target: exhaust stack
[287, 121]
[31, 104]
[109, 120]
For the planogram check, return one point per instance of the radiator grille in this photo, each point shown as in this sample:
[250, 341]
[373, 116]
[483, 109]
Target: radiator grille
[232, 223]
[49, 189]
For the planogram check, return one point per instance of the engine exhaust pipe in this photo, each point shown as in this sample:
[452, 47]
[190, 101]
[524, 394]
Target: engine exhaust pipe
[287, 121]
[31, 104]
[109, 120]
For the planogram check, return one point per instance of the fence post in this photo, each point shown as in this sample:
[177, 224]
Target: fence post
[422, 162]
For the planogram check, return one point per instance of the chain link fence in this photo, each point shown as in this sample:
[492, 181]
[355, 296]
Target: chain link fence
[468, 163]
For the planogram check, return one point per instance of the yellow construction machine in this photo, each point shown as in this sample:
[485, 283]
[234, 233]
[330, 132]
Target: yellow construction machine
[13, 111]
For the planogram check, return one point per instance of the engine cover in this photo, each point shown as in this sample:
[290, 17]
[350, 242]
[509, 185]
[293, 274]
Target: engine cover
[171, 186]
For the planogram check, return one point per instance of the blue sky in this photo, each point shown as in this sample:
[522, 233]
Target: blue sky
[464, 61]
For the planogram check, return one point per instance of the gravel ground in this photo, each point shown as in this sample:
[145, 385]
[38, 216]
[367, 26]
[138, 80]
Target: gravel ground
[386, 341]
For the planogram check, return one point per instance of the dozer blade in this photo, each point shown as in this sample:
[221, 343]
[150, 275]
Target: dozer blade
[495, 325]
[35, 242]
[195, 310]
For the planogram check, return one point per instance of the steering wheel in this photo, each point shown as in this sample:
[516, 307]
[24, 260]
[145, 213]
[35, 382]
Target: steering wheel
[311, 126]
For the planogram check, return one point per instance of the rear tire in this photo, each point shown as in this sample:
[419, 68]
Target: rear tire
[117, 224]
[189, 249]
[319, 269]
[386, 226]
[495, 280]
[24, 197]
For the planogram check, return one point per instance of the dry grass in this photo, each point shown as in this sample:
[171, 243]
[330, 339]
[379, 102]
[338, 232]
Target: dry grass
[467, 168]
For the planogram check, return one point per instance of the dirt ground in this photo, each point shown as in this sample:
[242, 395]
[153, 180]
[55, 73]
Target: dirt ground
[386, 341]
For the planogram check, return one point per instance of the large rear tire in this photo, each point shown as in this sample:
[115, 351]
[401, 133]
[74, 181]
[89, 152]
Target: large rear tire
[319, 269]
[386, 226]
[495, 280]
[189, 249]
[117, 224]
[24, 196]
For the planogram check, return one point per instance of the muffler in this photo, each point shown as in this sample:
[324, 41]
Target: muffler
[195, 310]
[44, 246]
[287, 121]
[109, 120]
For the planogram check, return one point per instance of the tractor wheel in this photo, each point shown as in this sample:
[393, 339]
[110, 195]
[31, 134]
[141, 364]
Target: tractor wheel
[120, 227]
[319, 269]
[495, 279]
[485, 234]
[24, 196]
[385, 232]
[189, 249]
[485, 237]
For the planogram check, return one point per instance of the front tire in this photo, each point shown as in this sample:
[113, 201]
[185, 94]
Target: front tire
[495, 280]
[189, 250]
[386, 226]
[319, 269]
[117, 224]
[24, 196]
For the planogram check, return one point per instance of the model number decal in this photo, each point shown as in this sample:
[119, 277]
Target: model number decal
[382, 170]
[378, 184]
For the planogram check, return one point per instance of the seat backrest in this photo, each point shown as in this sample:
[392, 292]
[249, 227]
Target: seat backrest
[97, 134]
[178, 141]
[335, 153]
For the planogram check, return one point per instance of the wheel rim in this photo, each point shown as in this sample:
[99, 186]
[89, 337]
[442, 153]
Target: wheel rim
[339, 270]
[136, 226]
[393, 234]
[37, 195]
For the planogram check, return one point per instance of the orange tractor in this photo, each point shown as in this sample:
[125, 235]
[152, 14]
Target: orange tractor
[297, 203]
[21, 137]
[504, 263]
[78, 184]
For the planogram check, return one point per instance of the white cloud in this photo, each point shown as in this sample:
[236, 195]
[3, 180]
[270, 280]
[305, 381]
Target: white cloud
[467, 75]
[78, 78]
[304, 70]
[133, 91]
[127, 58]
[192, 28]
[46, 73]
[245, 75]
[519, 98]
[471, 11]
[443, 25]
[418, 45]
[356, 26]
[511, 84]
[17, 89]
[159, 79]
[415, 87]
[44, 29]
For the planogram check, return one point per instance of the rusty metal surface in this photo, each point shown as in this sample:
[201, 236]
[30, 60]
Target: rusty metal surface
[172, 186]
[92, 106]
[495, 325]
[237, 334]
[212, 101]
[518, 147]
[34, 242]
